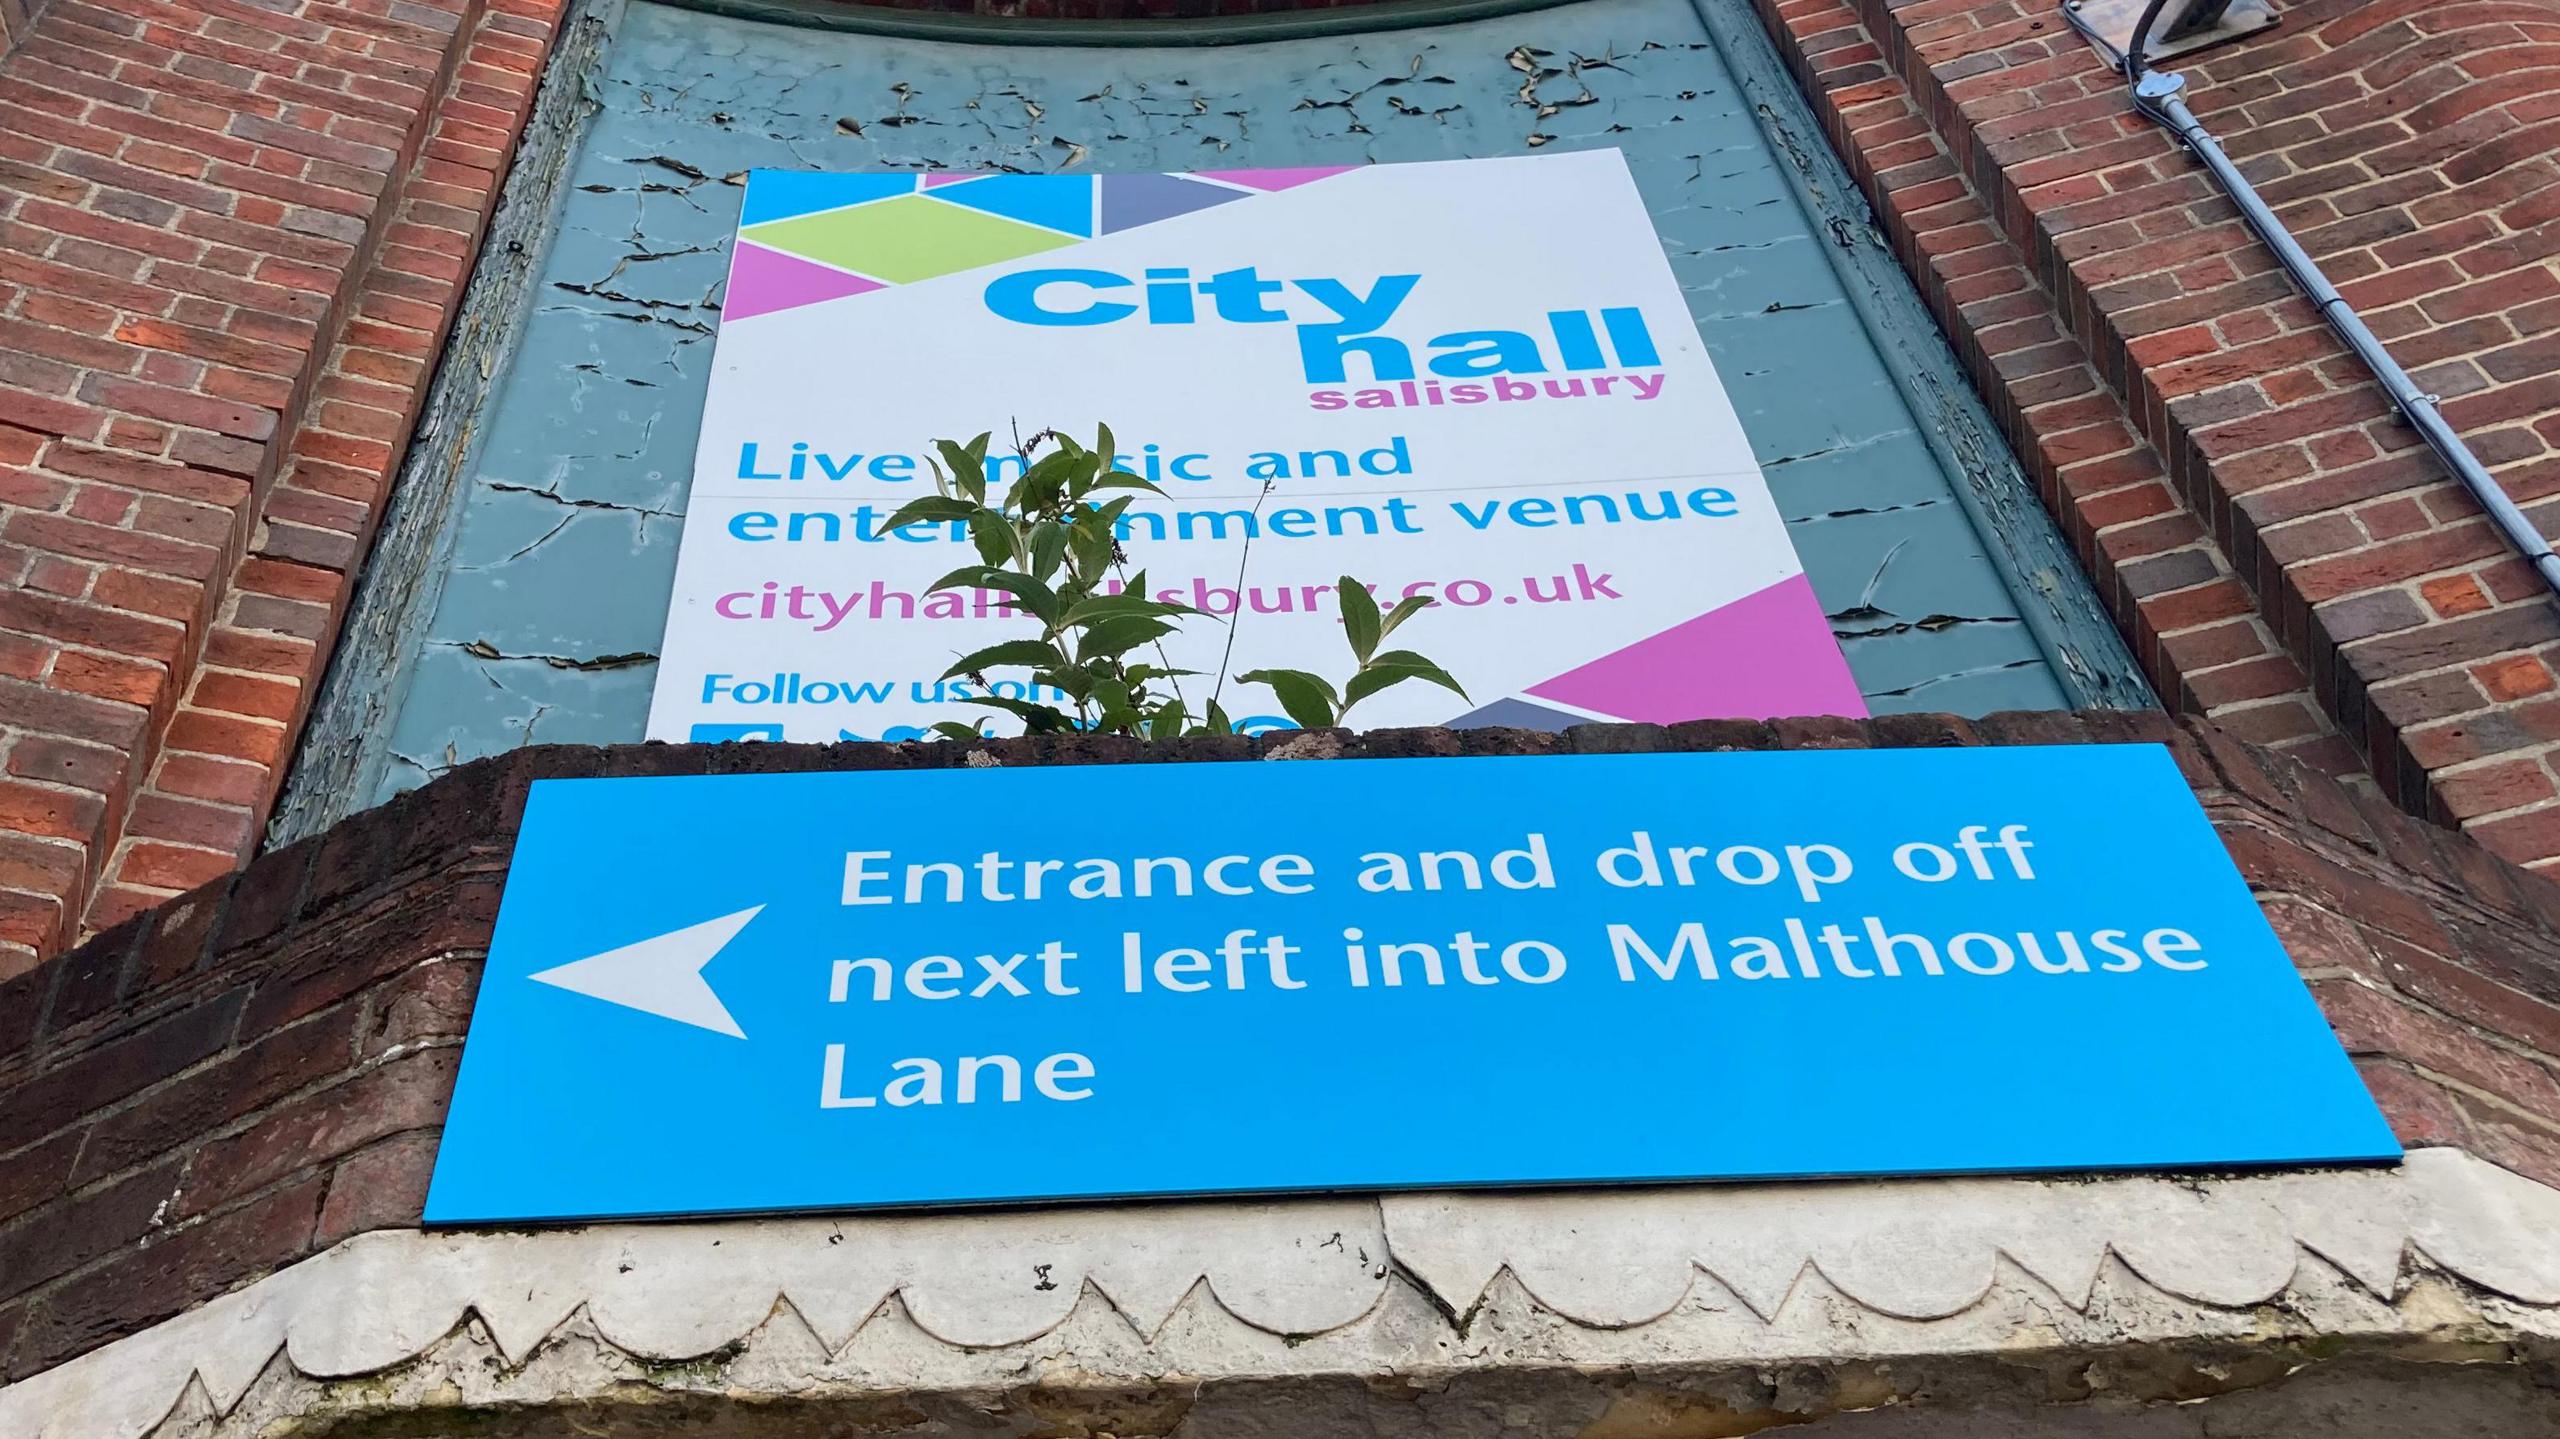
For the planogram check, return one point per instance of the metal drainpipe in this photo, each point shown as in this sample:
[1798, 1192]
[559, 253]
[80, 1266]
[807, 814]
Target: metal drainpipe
[2159, 96]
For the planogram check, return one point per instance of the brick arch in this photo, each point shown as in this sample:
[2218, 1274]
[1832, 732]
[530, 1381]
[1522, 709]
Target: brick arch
[243, 1078]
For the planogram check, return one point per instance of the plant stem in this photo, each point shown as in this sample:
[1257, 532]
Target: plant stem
[1244, 555]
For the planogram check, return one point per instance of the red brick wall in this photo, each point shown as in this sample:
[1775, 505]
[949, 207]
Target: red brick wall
[231, 236]
[17, 17]
[2254, 512]
[242, 1078]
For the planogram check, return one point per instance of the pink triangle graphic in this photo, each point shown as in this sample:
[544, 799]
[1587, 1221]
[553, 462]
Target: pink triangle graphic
[762, 281]
[1765, 655]
[1289, 179]
[951, 177]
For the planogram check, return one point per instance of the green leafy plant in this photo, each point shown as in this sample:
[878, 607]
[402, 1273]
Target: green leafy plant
[1051, 544]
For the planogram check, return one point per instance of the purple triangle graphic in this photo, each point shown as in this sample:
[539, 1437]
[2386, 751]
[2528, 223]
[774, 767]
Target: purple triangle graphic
[1288, 179]
[1765, 655]
[762, 281]
[1129, 201]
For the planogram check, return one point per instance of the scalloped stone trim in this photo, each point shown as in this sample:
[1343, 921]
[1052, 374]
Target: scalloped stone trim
[1696, 1276]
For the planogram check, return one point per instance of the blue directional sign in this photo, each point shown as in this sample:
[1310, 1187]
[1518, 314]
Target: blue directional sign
[823, 991]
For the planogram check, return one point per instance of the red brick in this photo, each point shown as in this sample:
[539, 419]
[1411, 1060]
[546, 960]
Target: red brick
[76, 1229]
[208, 1099]
[199, 732]
[2497, 1008]
[2455, 595]
[131, 682]
[235, 694]
[41, 866]
[2499, 785]
[36, 1176]
[51, 812]
[108, 544]
[172, 867]
[199, 777]
[150, 1281]
[383, 1186]
[143, 473]
[430, 1002]
[90, 625]
[248, 422]
[39, 1104]
[2422, 1114]
[2522, 838]
[2514, 677]
[179, 601]
[317, 1129]
[54, 761]
[224, 828]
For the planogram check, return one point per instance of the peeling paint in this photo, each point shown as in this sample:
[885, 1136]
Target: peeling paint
[483, 650]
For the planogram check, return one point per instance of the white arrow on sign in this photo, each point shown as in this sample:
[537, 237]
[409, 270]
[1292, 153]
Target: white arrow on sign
[660, 976]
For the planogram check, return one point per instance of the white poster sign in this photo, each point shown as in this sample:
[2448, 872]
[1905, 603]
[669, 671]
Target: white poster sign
[1474, 380]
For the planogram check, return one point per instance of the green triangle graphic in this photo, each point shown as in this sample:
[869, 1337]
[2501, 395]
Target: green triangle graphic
[906, 240]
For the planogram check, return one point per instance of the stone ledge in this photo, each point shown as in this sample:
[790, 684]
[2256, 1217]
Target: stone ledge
[2443, 1258]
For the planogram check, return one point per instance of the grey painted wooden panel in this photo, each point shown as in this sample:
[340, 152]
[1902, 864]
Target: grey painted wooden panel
[539, 619]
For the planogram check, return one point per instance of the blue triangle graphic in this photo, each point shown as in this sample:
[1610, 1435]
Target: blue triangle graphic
[1129, 201]
[1517, 714]
[1060, 202]
[781, 194]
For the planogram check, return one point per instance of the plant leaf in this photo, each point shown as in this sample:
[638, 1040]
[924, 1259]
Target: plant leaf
[954, 730]
[1308, 699]
[964, 469]
[1033, 596]
[1077, 683]
[1116, 635]
[1113, 696]
[1359, 616]
[1090, 553]
[1038, 488]
[1036, 718]
[1127, 602]
[1123, 480]
[975, 486]
[1403, 610]
[1395, 667]
[967, 577]
[993, 537]
[1369, 681]
[929, 508]
[1040, 653]
[1048, 549]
